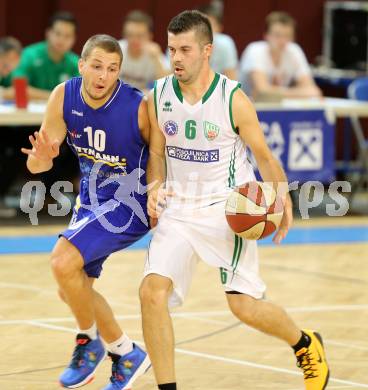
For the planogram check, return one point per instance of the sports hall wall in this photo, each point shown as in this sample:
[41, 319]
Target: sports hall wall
[243, 19]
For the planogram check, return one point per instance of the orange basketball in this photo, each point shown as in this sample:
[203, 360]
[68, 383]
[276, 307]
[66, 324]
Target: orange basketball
[254, 211]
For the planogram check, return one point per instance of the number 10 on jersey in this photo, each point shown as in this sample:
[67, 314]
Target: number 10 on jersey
[96, 140]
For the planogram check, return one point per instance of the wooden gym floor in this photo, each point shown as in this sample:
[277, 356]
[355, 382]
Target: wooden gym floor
[323, 286]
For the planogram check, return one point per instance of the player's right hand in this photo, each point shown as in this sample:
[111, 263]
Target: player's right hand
[42, 148]
[157, 202]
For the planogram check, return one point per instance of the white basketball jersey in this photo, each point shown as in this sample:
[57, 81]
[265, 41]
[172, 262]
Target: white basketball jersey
[205, 157]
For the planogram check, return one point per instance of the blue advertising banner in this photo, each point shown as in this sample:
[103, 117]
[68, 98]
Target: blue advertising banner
[303, 141]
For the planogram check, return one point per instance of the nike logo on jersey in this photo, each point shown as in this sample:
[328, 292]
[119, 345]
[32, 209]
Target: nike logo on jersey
[78, 224]
[74, 112]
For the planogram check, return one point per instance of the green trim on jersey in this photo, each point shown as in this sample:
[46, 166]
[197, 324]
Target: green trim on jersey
[177, 89]
[235, 265]
[231, 109]
[205, 97]
[231, 179]
[238, 246]
[163, 89]
[211, 88]
[155, 97]
[236, 243]
[223, 90]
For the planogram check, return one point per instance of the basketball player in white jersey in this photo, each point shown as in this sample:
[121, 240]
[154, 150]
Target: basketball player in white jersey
[201, 122]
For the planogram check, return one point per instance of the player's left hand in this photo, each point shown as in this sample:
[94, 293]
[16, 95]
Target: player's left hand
[286, 222]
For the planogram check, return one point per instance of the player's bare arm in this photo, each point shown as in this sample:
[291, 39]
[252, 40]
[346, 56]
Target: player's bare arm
[46, 142]
[246, 121]
[143, 120]
[156, 169]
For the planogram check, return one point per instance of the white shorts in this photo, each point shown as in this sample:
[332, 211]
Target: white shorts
[182, 238]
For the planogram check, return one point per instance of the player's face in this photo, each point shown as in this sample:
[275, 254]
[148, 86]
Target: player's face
[8, 62]
[279, 35]
[100, 72]
[187, 55]
[61, 37]
[137, 35]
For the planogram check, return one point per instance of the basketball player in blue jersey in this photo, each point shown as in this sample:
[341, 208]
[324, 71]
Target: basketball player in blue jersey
[106, 124]
[201, 123]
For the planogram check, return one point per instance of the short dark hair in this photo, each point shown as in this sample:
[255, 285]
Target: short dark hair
[62, 16]
[103, 41]
[138, 16]
[192, 20]
[8, 44]
[211, 10]
[279, 17]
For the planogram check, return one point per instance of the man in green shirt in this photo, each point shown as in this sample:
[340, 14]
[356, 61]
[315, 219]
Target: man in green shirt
[49, 63]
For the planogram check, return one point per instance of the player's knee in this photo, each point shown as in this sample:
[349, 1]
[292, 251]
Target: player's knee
[153, 294]
[63, 266]
[243, 307]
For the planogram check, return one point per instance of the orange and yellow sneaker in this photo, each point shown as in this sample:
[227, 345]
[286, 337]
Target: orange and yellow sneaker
[312, 361]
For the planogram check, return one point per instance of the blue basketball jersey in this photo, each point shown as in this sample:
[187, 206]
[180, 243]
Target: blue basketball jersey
[109, 136]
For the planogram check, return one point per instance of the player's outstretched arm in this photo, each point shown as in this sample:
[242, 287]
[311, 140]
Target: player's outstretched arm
[143, 120]
[156, 169]
[46, 142]
[245, 119]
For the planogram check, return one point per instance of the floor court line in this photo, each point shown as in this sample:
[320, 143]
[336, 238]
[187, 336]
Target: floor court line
[261, 366]
[217, 358]
[329, 387]
[46, 321]
[220, 313]
[345, 345]
[206, 313]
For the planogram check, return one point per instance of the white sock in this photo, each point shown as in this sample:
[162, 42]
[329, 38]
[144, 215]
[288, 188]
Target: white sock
[121, 346]
[91, 332]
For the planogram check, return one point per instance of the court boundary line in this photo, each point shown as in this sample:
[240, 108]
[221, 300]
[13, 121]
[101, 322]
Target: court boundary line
[219, 313]
[215, 357]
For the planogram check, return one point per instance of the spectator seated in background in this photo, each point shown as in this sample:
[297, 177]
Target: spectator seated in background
[48, 63]
[143, 60]
[277, 68]
[224, 58]
[10, 51]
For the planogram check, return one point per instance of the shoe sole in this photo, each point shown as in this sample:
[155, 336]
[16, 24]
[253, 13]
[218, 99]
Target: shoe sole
[88, 379]
[143, 368]
[319, 337]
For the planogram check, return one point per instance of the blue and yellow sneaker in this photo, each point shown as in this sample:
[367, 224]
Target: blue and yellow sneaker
[126, 369]
[87, 356]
